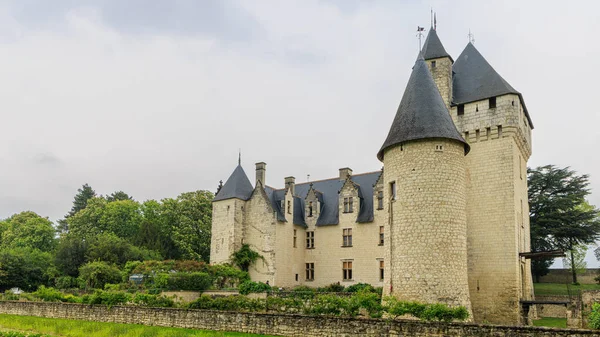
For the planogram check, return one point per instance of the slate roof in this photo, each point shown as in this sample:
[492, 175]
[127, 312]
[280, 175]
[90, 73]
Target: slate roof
[328, 195]
[237, 186]
[475, 79]
[422, 113]
[433, 48]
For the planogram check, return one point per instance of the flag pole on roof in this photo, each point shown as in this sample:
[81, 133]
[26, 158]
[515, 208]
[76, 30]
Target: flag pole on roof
[420, 31]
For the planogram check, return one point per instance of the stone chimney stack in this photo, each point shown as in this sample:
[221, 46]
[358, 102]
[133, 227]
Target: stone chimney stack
[345, 173]
[261, 171]
[291, 183]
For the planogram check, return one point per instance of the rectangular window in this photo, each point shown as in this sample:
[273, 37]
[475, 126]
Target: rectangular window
[310, 208]
[499, 131]
[381, 235]
[345, 205]
[310, 239]
[461, 109]
[289, 207]
[432, 64]
[294, 238]
[380, 200]
[381, 270]
[488, 132]
[310, 271]
[477, 135]
[492, 102]
[347, 237]
[393, 190]
[351, 204]
[347, 270]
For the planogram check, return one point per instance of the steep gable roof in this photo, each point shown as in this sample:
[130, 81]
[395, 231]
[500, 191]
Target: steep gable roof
[433, 47]
[422, 113]
[237, 186]
[475, 79]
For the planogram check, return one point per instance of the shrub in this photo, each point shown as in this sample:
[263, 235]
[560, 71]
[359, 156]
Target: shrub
[66, 282]
[426, 312]
[189, 281]
[332, 288]
[253, 287]
[109, 298]
[150, 300]
[228, 303]
[226, 275]
[245, 257]
[97, 274]
[594, 316]
[49, 294]
[370, 301]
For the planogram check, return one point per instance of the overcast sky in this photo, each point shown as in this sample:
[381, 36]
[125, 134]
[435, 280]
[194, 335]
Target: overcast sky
[155, 97]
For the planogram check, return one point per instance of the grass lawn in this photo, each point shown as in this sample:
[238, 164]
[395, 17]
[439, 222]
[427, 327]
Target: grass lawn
[74, 328]
[551, 322]
[561, 288]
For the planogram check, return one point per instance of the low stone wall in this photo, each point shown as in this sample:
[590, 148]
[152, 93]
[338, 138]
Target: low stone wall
[564, 276]
[274, 324]
[552, 310]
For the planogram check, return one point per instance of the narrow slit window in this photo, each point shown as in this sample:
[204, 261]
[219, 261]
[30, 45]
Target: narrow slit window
[499, 131]
[380, 200]
[289, 208]
[461, 109]
[488, 132]
[350, 205]
[477, 135]
[381, 235]
[295, 238]
[310, 208]
[381, 270]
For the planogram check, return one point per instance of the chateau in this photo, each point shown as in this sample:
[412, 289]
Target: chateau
[444, 221]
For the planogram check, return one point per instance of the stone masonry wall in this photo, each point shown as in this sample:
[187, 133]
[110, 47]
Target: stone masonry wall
[428, 240]
[552, 310]
[226, 229]
[259, 233]
[275, 324]
[442, 75]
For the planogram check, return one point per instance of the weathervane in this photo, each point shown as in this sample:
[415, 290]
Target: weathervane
[471, 37]
[420, 31]
[308, 177]
[433, 20]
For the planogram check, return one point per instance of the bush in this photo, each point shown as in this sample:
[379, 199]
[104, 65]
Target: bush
[332, 288]
[66, 282]
[96, 274]
[189, 281]
[228, 303]
[150, 300]
[253, 287]
[109, 298]
[594, 316]
[360, 287]
[426, 312]
[48, 294]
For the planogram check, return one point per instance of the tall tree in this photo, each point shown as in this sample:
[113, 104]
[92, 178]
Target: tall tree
[118, 196]
[560, 217]
[27, 229]
[80, 201]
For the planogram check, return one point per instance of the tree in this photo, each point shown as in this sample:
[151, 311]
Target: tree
[575, 260]
[118, 195]
[84, 194]
[27, 229]
[560, 216]
[98, 273]
[191, 230]
[110, 248]
[70, 254]
[24, 267]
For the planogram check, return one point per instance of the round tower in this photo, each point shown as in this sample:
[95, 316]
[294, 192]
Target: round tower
[424, 174]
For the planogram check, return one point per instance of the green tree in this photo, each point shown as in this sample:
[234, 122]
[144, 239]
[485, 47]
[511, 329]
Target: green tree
[27, 229]
[86, 223]
[191, 232]
[558, 213]
[110, 248]
[156, 228]
[70, 254]
[575, 260]
[84, 194]
[121, 217]
[118, 195]
[98, 273]
[24, 267]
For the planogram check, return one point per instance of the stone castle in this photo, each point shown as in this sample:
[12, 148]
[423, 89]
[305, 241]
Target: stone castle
[446, 220]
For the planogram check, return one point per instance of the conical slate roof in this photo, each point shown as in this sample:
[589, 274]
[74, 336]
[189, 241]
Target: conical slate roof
[422, 113]
[237, 186]
[433, 48]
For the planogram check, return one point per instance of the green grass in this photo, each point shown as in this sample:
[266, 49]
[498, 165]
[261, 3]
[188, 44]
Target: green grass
[74, 328]
[551, 322]
[561, 288]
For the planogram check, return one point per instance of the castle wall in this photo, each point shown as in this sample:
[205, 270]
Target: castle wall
[260, 233]
[428, 239]
[289, 259]
[497, 207]
[226, 230]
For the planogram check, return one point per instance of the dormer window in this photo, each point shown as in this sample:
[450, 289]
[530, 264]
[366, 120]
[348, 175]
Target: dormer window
[350, 204]
[310, 208]
[289, 208]
[492, 102]
[345, 205]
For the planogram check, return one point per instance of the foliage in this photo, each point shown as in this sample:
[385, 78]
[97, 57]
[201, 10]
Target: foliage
[70, 254]
[66, 282]
[77, 328]
[191, 231]
[110, 248]
[426, 312]
[559, 215]
[29, 230]
[226, 275]
[196, 281]
[361, 287]
[245, 257]
[80, 201]
[248, 287]
[23, 267]
[551, 322]
[96, 274]
[575, 262]
[594, 316]
[118, 196]
[332, 288]
[149, 300]
[109, 298]
[155, 266]
[20, 334]
[228, 303]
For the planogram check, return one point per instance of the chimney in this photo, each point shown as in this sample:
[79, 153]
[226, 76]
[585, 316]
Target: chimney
[261, 170]
[291, 183]
[345, 173]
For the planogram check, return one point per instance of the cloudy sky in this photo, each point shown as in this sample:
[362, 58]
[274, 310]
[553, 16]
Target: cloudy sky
[155, 97]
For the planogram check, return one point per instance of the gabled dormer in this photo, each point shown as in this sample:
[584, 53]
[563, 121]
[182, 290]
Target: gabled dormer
[378, 201]
[312, 204]
[350, 198]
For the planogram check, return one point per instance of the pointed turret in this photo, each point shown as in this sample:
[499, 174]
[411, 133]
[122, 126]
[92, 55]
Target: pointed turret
[237, 186]
[433, 48]
[422, 113]
[475, 79]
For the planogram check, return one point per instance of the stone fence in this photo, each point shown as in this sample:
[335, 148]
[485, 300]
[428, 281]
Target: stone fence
[274, 324]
